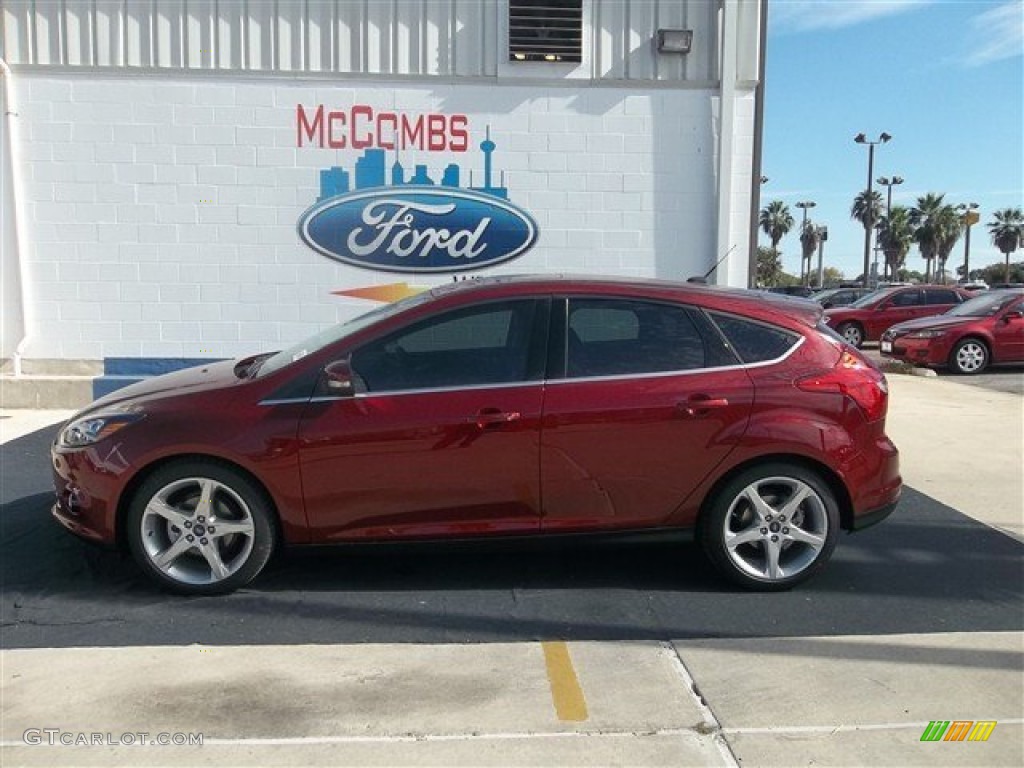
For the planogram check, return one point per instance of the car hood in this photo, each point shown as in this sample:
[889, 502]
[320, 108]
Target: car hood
[936, 322]
[841, 313]
[202, 378]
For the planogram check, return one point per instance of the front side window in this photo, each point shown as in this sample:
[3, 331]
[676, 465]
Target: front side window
[906, 299]
[487, 344]
[613, 337]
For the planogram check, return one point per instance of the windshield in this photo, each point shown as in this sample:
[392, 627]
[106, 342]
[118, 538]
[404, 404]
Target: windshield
[871, 298]
[985, 305]
[336, 333]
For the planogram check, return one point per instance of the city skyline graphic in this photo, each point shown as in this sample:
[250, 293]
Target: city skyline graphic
[371, 171]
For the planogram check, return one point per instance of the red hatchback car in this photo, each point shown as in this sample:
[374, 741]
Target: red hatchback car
[987, 329]
[498, 407]
[867, 318]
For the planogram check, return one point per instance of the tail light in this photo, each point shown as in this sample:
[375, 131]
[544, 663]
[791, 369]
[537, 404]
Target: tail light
[855, 378]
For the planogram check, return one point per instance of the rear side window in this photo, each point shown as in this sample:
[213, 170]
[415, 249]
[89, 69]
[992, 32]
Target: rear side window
[754, 342]
[939, 296]
[612, 337]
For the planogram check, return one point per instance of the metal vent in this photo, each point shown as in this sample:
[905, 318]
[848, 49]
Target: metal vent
[545, 30]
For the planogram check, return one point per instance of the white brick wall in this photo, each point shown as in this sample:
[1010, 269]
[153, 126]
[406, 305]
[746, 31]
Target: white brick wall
[162, 212]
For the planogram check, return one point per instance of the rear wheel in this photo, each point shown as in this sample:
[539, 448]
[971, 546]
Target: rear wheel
[853, 334]
[771, 527]
[200, 528]
[969, 356]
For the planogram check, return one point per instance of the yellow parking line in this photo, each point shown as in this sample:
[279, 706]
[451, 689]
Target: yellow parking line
[565, 687]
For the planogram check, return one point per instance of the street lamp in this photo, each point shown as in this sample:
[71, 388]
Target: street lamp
[969, 211]
[804, 205]
[822, 237]
[860, 138]
[885, 181]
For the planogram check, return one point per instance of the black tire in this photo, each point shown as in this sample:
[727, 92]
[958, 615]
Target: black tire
[802, 541]
[207, 551]
[852, 332]
[969, 356]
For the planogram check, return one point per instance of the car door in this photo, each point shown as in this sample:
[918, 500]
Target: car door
[441, 435]
[900, 306]
[640, 407]
[1008, 334]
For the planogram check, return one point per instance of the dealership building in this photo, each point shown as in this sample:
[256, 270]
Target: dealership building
[187, 180]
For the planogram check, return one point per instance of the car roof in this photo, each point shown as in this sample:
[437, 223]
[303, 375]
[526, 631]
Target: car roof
[757, 303]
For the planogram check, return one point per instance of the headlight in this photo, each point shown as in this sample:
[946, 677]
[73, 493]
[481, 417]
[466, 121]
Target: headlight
[925, 334]
[92, 429]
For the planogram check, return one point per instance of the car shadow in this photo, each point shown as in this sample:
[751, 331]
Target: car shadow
[926, 569]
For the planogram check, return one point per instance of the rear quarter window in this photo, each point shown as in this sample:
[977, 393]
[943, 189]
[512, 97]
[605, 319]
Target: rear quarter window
[754, 342]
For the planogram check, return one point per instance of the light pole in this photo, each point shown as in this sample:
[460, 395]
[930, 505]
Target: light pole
[804, 205]
[970, 212]
[860, 138]
[888, 182]
[822, 237]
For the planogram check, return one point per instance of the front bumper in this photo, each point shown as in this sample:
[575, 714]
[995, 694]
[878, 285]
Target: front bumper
[87, 486]
[916, 351]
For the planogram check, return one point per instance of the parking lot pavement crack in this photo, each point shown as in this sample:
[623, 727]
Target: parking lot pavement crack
[709, 726]
[35, 623]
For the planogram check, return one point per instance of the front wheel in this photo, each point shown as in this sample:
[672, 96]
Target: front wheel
[853, 334]
[771, 527]
[969, 356]
[200, 528]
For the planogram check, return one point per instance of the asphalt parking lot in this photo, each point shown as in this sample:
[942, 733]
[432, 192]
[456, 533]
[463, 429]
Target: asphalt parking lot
[426, 655]
[1002, 378]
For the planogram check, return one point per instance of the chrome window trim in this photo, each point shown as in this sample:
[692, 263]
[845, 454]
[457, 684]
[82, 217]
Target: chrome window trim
[684, 371]
[540, 382]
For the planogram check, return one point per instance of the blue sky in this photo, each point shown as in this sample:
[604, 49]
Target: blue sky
[944, 78]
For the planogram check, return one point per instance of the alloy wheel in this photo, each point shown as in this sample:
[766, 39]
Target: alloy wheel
[775, 528]
[197, 531]
[970, 356]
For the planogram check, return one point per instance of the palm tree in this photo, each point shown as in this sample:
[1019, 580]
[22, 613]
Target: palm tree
[810, 236]
[948, 226]
[861, 209]
[895, 234]
[926, 219]
[1007, 230]
[867, 212]
[776, 221]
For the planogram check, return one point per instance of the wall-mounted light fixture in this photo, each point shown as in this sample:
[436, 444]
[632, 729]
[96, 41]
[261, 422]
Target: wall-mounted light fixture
[674, 40]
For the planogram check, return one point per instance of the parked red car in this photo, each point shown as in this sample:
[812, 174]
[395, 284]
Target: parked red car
[497, 407]
[867, 318]
[987, 329]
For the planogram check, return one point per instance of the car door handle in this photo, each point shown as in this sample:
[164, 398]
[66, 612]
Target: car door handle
[494, 417]
[699, 405]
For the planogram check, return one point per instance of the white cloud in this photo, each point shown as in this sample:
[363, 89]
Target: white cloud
[996, 34]
[805, 15]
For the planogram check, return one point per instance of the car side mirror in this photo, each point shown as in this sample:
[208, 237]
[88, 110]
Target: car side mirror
[1015, 314]
[339, 378]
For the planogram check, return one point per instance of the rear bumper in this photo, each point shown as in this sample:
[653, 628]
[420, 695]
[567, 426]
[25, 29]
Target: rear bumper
[873, 517]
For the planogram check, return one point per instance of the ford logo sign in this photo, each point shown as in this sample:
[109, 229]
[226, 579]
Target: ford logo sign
[418, 229]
